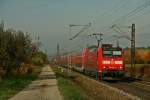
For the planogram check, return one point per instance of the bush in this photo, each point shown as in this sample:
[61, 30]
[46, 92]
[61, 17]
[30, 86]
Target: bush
[141, 62]
[16, 48]
[39, 58]
[37, 61]
[148, 62]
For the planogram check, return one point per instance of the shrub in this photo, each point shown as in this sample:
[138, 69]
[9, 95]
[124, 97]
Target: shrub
[16, 48]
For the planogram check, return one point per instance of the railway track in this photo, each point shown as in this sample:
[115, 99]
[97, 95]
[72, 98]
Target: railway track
[147, 83]
[140, 89]
[137, 88]
[142, 85]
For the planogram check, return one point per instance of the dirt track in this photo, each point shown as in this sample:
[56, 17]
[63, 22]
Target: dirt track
[44, 88]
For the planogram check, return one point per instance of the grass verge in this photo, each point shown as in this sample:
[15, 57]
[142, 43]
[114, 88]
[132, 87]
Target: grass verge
[11, 85]
[67, 87]
[69, 90]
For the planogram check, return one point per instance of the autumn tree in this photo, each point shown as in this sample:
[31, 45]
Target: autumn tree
[16, 47]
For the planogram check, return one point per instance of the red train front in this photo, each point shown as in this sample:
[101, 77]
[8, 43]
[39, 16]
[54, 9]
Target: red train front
[110, 62]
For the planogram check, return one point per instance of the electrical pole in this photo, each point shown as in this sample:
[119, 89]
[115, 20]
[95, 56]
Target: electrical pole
[2, 25]
[57, 50]
[133, 50]
[99, 39]
[132, 40]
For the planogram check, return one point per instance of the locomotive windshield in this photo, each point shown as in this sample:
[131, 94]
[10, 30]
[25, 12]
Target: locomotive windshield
[112, 53]
[107, 53]
[117, 53]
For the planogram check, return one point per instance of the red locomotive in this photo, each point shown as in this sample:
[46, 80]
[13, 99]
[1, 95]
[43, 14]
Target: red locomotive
[105, 62]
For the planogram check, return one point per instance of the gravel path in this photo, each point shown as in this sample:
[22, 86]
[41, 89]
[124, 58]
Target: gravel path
[44, 88]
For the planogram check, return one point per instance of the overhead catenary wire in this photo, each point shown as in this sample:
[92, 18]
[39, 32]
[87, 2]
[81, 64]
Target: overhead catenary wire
[118, 30]
[127, 16]
[82, 30]
[119, 20]
[132, 12]
[116, 7]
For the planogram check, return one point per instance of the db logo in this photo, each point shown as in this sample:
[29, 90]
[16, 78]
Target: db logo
[112, 62]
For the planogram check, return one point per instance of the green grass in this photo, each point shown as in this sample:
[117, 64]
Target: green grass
[13, 84]
[69, 90]
[67, 87]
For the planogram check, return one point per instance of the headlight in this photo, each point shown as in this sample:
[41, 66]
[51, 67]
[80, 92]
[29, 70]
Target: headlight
[121, 67]
[118, 62]
[106, 62]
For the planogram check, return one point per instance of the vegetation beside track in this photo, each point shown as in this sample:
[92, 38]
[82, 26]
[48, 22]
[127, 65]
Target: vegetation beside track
[69, 90]
[68, 87]
[96, 89]
[11, 85]
[19, 52]
[141, 70]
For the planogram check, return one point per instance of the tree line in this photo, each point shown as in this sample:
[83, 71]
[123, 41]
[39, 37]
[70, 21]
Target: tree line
[16, 48]
[142, 56]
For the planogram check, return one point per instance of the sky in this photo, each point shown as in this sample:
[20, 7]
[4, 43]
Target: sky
[50, 19]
